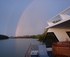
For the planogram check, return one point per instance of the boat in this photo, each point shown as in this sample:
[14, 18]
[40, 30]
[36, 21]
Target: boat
[59, 27]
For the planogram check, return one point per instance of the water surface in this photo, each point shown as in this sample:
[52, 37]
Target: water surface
[15, 47]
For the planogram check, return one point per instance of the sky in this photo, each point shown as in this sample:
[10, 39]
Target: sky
[28, 17]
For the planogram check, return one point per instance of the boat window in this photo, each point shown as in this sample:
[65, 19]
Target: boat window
[68, 33]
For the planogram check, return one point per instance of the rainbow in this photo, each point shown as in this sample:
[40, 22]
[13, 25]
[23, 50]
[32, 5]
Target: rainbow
[20, 19]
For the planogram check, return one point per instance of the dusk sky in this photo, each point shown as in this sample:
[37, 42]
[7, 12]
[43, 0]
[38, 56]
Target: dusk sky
[28, 17]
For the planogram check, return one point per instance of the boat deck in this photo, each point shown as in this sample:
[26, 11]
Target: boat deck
[41, 50]
[34, 47]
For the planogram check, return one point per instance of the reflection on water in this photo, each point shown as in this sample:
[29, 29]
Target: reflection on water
[15, 47]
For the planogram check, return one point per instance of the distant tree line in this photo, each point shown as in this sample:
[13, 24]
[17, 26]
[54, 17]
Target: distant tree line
[3, 37]
[25, 36]
[42, 36]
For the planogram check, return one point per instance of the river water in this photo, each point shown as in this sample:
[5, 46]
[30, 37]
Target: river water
[15, 47]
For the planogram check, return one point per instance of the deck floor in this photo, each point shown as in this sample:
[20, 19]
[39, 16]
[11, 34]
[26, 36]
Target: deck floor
[34, 47]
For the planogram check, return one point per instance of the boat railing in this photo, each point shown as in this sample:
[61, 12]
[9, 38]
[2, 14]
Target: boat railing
[28, 51]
